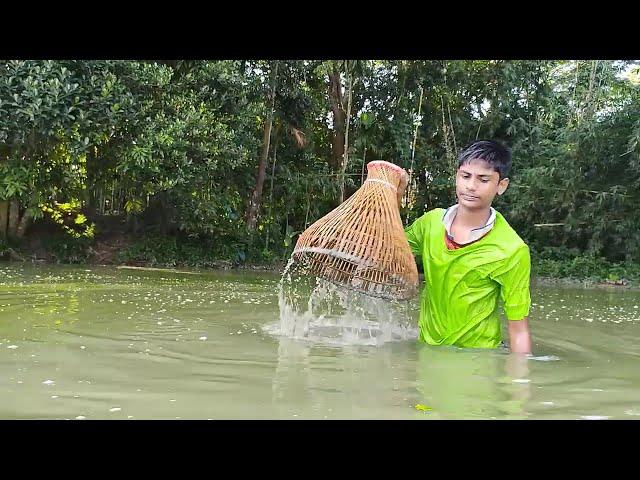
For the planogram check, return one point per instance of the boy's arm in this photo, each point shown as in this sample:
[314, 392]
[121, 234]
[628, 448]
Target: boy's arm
[414, 232]
[519, 336]
[514, 281]
[415, 236]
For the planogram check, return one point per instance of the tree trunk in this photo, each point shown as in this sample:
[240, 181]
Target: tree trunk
[273, 173]
[132, 223]
[256, 197]
[90, 203]
[164, 214]
[339, 119]
[413, 148]
[14, 218]
[4, 218]
[346, 141]
[24, 223]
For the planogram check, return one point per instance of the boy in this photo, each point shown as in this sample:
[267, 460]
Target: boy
[471, 256]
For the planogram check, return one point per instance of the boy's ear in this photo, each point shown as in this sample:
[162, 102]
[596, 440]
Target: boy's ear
[502, 185]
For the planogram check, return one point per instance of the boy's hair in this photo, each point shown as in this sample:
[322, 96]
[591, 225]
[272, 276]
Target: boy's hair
[492, 152]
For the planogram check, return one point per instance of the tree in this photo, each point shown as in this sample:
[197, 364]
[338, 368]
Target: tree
[256, 196]
[51, 113]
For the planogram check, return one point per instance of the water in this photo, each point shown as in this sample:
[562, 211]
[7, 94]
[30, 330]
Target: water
[319, 311]
[101, 343]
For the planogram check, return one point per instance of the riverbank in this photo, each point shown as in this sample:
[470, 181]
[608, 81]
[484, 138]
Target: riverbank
[190, 254]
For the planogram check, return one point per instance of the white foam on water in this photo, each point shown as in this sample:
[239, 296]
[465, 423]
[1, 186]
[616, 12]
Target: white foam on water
[545, 358]
[318, 311]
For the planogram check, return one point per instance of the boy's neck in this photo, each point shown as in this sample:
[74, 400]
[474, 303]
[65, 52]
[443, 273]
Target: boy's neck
[475, 218]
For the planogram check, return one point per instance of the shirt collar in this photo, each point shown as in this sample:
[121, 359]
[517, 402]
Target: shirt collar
[476, 233]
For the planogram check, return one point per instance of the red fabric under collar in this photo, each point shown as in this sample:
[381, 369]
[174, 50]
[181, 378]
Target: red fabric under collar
[453, 245]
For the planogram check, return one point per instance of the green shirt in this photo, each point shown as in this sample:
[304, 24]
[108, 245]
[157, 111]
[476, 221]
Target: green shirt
[459, 305]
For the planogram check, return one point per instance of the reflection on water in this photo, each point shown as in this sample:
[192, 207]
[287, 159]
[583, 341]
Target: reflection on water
[343, 382]
[478, 384]
[89, 343]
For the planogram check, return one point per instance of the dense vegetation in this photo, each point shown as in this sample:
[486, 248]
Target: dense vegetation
[203, 162]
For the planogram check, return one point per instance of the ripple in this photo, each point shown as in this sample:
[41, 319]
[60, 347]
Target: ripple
[545, 358]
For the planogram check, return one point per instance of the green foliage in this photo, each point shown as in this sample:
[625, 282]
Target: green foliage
[69, 249]
[184, 251]
[68, 215]
[564, 263]
[51, 114]
[152, 250]
[4, 247]
[174, 146]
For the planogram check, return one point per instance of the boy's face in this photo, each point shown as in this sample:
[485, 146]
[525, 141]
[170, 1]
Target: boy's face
[477, 184]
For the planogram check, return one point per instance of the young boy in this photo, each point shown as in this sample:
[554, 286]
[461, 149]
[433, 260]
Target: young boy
[471, 257]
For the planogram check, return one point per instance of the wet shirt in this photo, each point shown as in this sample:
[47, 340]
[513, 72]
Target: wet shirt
[463, 286]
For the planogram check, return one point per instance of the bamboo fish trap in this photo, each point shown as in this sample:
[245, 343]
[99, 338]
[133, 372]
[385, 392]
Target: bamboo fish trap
[361, 244]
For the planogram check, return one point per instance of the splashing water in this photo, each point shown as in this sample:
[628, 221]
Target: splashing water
[319, 311]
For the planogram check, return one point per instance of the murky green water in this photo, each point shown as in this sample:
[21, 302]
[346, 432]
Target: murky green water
[102, 343]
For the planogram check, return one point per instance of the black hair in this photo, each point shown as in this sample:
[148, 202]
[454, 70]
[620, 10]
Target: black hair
[492, 152]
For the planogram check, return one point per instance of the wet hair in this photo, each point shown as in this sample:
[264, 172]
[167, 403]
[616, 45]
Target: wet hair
[492, 152]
